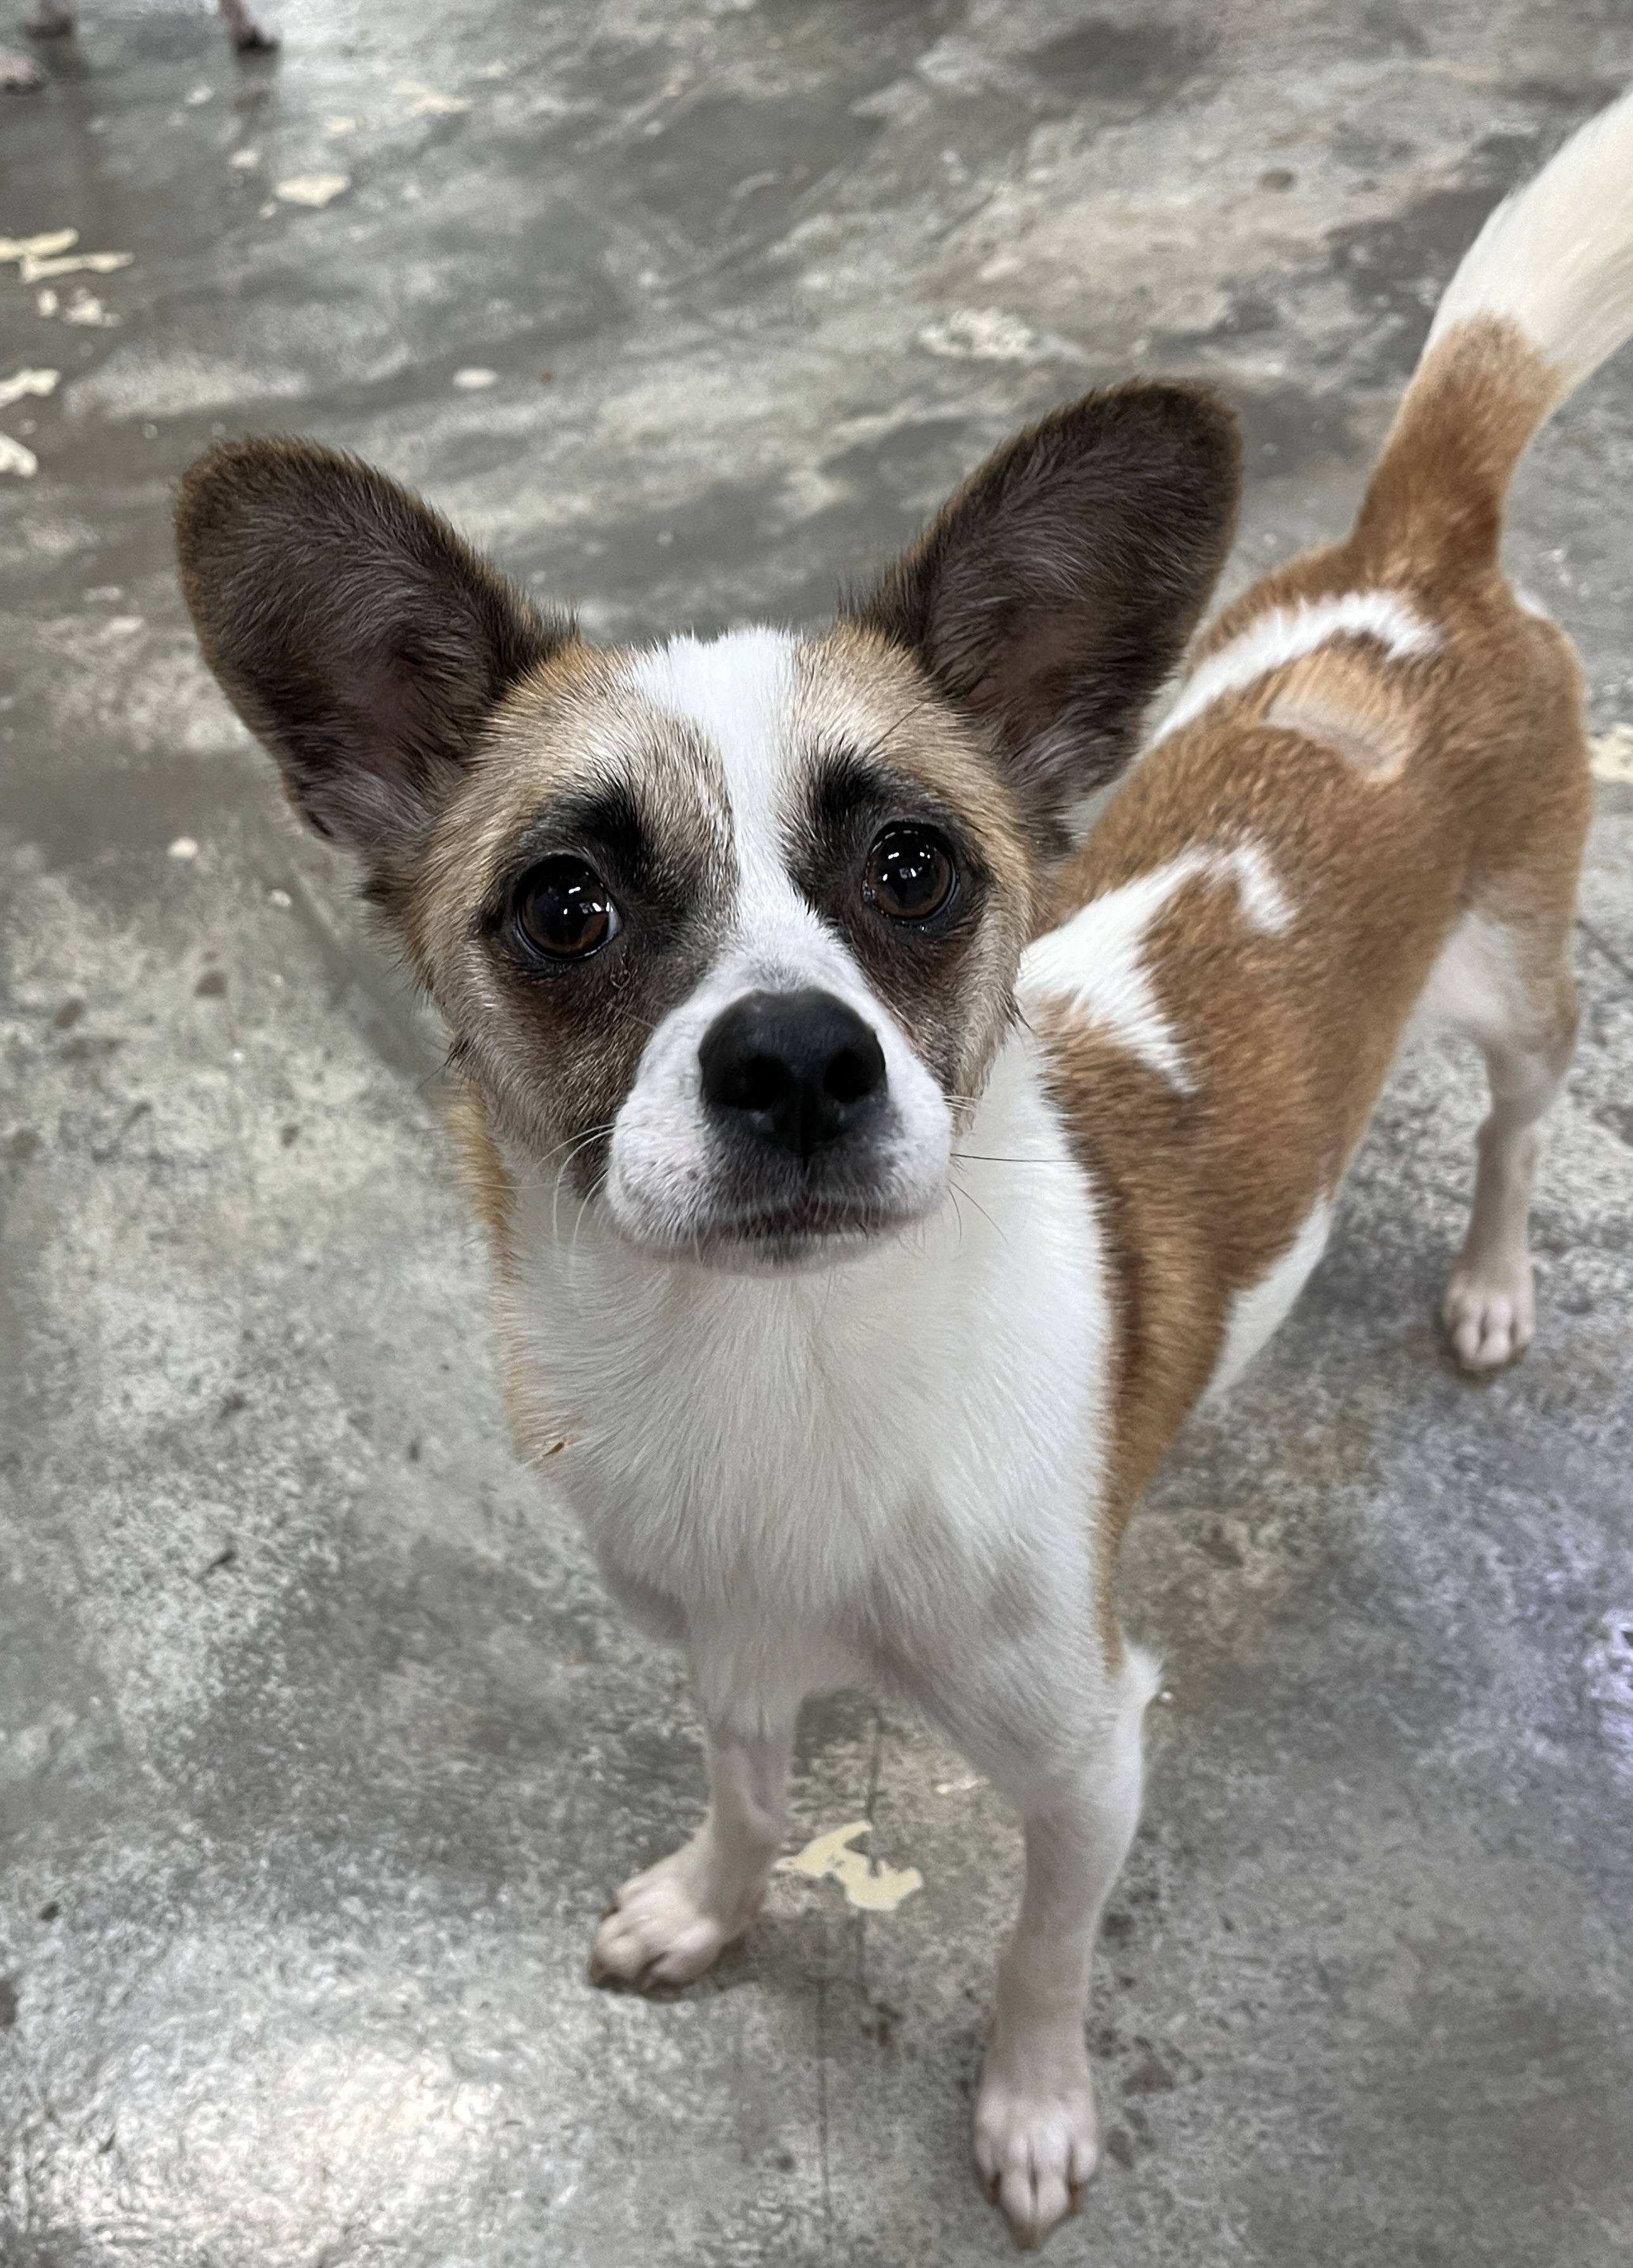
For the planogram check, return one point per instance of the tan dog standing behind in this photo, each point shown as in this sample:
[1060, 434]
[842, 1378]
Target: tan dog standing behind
[759, 956]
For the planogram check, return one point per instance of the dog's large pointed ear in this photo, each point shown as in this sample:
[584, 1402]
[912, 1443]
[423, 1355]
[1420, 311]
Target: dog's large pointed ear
[1055, 592]
[355, 634]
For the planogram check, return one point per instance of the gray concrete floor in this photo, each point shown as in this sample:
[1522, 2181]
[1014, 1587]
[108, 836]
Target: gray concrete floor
[322, 1750]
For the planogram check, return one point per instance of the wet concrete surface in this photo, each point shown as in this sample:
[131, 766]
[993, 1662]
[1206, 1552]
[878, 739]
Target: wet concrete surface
[322, 1750]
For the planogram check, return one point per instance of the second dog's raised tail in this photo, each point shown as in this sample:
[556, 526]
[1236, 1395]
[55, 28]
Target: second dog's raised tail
[1543, 295]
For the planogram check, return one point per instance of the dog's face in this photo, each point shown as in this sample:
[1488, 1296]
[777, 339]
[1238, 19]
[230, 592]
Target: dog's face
[726, 933]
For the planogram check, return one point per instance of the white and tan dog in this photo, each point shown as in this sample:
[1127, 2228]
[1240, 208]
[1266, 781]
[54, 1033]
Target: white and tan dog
[874, 1181]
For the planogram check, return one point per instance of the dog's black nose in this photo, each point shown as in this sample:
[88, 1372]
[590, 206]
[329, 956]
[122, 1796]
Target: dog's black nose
[799, 1068]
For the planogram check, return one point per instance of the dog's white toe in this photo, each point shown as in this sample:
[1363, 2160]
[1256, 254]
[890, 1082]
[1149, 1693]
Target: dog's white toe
[1491, 1315]
[660, 1929]
[1035, 2139]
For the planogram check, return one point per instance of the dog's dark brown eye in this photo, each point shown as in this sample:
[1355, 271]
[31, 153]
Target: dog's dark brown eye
[909, 872]
[564, 910]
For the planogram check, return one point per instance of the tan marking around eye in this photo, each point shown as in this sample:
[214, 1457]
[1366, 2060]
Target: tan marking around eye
[573, 723]
[854, 687]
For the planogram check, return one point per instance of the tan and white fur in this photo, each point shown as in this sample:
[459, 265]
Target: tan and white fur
[859, 1255]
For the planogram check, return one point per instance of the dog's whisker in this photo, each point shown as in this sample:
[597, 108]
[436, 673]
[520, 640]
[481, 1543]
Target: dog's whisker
[960, 1189]
[991, 1158]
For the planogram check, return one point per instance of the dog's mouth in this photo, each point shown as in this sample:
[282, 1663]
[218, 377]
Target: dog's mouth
[750, 1207]
[820, 1222]
[791, 1234]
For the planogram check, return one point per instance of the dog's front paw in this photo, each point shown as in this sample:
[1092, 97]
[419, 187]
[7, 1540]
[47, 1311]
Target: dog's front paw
[1035, 2139]
[665, 1927]
[1490, 1313]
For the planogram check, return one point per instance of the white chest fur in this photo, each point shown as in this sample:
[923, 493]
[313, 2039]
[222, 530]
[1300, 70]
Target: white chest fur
[912, 1435]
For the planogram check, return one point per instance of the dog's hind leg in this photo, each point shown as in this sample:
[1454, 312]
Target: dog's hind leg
[248, 31]
[1510, 987]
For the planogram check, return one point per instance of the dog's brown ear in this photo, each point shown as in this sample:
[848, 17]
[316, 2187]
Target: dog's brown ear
[353, 631]
[1053, 593]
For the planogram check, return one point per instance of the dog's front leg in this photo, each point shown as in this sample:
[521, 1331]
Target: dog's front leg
[1035, 2138]
[666, 1926]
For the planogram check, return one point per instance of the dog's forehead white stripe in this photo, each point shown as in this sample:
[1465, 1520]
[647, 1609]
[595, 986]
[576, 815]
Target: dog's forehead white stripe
[741, 692]
[738, 692]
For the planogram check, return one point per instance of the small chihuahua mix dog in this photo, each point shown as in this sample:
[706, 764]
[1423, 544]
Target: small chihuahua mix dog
[874, 1178]
[54, 20]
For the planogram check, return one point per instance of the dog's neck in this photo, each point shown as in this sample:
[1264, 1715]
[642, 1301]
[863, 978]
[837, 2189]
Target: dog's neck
[771, 1429]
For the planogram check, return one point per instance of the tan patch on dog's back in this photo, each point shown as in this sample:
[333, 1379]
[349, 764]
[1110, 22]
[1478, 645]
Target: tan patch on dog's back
[1342, 700]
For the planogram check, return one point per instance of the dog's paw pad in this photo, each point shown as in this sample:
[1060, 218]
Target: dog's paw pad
[1036, 2148]
[1491, 1318]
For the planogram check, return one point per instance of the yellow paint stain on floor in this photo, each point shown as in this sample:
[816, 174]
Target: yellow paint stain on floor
[867, 1882]
[315, 189]
[23, 382]
[429, 101]
[1611, 754]
[31, 270]
[38, 247]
